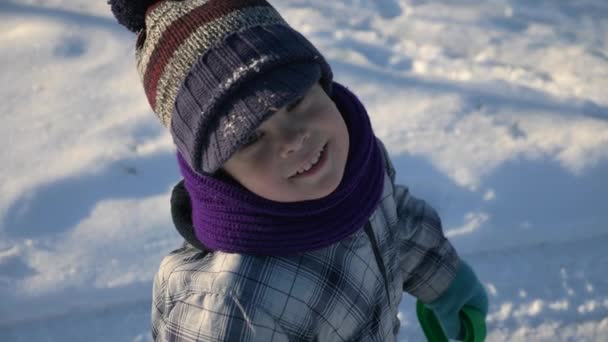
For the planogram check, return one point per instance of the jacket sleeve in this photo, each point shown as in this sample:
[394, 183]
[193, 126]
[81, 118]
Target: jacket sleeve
[428, 261]
[213, 317]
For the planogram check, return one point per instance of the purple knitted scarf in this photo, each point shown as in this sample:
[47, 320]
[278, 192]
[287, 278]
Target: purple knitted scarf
[227, 217]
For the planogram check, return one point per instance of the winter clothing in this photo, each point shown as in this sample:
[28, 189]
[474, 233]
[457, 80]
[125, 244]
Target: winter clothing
[464, 290]
[230, 218]
[349, 290]
[213, 70]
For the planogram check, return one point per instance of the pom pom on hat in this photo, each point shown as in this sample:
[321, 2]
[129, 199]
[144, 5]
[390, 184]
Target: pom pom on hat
[131, 13]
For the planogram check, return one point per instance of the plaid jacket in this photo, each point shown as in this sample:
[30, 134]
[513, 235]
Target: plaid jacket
[349, 291]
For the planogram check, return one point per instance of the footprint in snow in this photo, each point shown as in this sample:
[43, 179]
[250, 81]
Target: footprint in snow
[70, 47]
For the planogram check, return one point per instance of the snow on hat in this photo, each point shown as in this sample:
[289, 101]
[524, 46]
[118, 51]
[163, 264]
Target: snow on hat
[213, 70]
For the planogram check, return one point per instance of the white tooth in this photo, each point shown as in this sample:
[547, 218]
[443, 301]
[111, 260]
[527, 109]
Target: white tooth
[312, 162]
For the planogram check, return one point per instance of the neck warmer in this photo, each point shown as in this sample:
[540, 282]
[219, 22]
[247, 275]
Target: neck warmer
[228, 217]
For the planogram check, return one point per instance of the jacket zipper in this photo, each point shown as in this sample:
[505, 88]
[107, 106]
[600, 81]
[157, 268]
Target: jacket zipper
[379, 262]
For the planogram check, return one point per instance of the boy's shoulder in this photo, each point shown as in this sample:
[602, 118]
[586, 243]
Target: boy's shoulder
[179, 258]
[180, 271]
[189, 270]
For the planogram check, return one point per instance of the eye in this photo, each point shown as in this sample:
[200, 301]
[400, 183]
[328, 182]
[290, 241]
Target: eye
[294, 104]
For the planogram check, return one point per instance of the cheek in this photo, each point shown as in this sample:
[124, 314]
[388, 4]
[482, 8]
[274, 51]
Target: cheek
[334, 120]
[342, 138]
[263, 169]
[269, 186]
[262, 162]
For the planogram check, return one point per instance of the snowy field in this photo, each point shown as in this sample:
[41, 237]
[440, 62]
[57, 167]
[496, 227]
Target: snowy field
[496, 112]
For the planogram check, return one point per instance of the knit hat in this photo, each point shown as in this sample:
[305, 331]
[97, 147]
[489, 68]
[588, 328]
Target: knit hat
[214, 70]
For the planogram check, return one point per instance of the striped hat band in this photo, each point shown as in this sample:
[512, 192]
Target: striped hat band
[213, 70]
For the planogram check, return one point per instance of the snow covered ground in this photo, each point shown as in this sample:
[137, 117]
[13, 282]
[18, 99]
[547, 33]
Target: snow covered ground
[494, 111]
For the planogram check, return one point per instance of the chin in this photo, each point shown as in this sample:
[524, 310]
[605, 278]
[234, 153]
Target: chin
[330, 188]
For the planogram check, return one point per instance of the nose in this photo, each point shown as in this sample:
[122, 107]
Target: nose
[293, 142]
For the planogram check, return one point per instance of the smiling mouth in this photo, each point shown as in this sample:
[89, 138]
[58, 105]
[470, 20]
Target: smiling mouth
[315, 167]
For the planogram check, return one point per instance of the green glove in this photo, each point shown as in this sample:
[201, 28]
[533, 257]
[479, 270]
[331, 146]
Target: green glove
[465, 290]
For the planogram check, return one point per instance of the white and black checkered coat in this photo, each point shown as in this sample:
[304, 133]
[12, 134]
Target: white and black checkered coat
[349, 291]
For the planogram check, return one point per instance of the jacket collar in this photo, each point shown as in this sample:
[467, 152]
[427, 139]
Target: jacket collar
[181, 212]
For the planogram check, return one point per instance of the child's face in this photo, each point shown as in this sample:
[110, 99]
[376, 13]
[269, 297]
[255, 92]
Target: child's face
[287, 142]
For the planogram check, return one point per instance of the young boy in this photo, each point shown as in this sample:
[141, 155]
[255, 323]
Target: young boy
[294, 227]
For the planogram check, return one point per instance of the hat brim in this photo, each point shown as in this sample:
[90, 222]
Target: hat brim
[254, 102]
